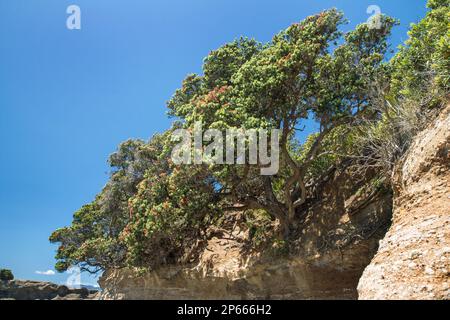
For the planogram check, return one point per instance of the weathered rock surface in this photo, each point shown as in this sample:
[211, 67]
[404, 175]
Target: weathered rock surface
[285, 280]
[35, 290]
[338, 238]
[413, 261]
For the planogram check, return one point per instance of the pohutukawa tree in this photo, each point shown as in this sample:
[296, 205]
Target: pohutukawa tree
[308, 71]
[152, 210]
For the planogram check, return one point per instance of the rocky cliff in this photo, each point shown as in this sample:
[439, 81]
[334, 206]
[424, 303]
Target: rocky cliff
[337, 240]
[339, 235]
[413, 261]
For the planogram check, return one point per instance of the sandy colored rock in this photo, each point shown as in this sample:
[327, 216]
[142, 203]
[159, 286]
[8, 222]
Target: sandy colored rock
[338, 235]
[329, 254]
[413, 261]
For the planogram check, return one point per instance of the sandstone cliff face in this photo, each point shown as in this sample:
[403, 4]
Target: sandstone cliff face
[413, 261]
[338, 237]
[291, 279]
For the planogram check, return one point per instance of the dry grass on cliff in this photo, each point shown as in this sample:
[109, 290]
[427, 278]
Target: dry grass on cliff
[381, 141]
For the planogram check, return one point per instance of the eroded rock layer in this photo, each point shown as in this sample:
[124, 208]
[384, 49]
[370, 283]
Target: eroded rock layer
[338, 236]
[413, 261]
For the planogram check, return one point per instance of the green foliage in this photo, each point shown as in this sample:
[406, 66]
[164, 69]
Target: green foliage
[6, 275]
[423, 63]
[153, 212]
[282, 84]
[419, 80]
[169, 211]
[92, 241]
[260, 227]
[335, 147]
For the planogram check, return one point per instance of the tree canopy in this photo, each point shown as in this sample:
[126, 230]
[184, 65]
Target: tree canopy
[152, 211]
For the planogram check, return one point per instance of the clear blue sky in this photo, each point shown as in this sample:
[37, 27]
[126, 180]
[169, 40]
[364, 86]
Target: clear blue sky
[68, 98]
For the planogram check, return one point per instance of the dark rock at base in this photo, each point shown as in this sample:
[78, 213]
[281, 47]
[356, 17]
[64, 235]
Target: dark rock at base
[34, 290]
[82, 292]
[63, 291]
